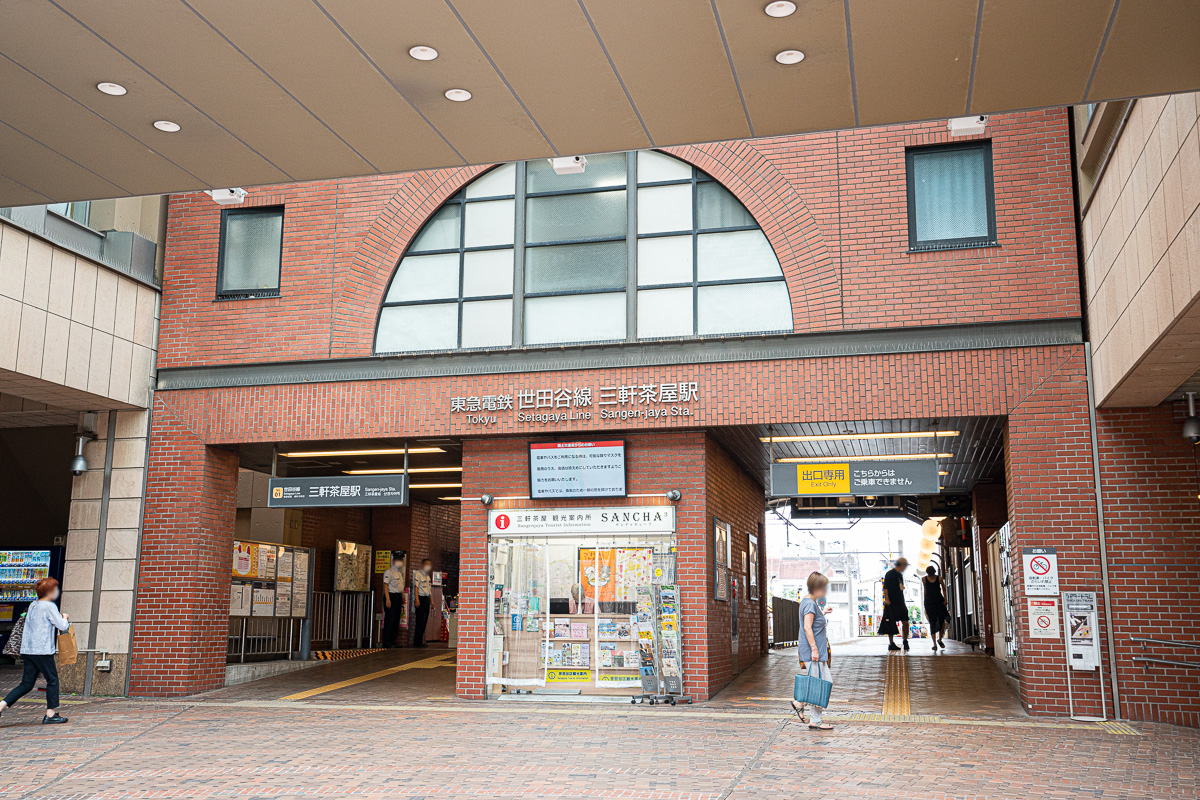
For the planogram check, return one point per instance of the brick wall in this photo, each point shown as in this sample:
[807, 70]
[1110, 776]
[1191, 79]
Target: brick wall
[833, 206]
[1150, 485]
[732, 497]
[322, 528]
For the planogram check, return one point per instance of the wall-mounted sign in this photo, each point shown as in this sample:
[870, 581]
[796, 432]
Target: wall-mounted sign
[1040, 570]
[577, 469]
[633, 519]
[1043, 618]
[555, 405]
[855, 478]
[349, 490]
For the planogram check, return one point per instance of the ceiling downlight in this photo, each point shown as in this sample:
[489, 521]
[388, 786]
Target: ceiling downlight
[110, 88]
[789, 57]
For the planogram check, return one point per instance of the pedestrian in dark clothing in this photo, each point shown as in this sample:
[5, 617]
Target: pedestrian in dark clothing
[895, 612]
[423, 586]
[38, 646]
[935, 607]
[393, 599]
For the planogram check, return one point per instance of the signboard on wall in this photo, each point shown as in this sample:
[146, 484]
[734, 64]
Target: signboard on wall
[577, 469]
[1040, 571]
[628, 519]
[1043, 618]
[835, 478]
[550, 405]
[338, 492]
[1083, 645]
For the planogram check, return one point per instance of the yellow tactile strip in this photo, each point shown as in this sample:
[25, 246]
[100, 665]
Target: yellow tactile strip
[441, 660]
[339, 655]
[896, 698]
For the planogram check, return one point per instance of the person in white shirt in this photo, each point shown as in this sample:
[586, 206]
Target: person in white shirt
[393, 599]
[423, 586]
[38, 646]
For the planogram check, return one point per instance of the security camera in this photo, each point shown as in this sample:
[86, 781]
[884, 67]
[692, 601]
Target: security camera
[78, 465]
[674, 495]
[968, 126]
[1191, 425]
[227, 197]
[568, 165]
[486, 499]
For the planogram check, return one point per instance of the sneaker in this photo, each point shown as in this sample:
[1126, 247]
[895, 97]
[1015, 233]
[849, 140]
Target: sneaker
[53, 720]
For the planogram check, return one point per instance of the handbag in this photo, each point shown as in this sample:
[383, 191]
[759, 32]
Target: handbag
[811, 689]
[13, 646]
[68, 648]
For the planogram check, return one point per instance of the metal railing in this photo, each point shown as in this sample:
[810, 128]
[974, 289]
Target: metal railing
[262, 639]
[1170, 662]
[342, 619]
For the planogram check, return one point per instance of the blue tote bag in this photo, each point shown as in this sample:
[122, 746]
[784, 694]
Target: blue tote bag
[812, 690]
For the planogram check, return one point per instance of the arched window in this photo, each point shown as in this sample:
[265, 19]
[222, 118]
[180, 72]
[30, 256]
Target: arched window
[638, 246]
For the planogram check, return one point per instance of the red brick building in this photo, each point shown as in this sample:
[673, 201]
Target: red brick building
[848, 295]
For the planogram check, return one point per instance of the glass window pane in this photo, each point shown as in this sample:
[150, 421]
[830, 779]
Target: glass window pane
[575, 267]
[951, 194]
[664, 260]
[575, 318]
[601, 170]
[562, 218]
[665, 208]
[487, 323]
[653, 166]
[735, 255]
[718, 208]
[500, 182]
[441, 232]
[743, 308]
[425, 278]
[251, 251]
[664, 312]
[409, 328]
[490, 223]
[487, 272]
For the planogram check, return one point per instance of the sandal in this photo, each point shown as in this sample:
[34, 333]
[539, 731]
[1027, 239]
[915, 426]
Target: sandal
[798, 708]
[824, 726]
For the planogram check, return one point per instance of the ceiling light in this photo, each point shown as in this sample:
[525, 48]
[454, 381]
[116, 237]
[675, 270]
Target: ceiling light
[783, 8]
[423, 53]
[449, 498]
[435, 486]
[115, 89]
[943, 472]
[400, 471]
[167, 126]
[458, 95]
[789, 57]
[384, 451]
[839, 459]
[834, 437]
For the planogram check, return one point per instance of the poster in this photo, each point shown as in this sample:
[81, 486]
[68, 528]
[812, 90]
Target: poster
[753, 567]
[6, 613]
[262, 602]
[283, 567]
[245, 557]
[300, 583]
[239, 599]
[635, 567]
[383, 560]
[283, 599]
[597, 573]
[265, 565]
[1043, 618]
[352, 567]
[1083, 645]
[722, 534]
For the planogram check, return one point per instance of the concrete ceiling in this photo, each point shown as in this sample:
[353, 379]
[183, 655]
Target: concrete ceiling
[270, 91]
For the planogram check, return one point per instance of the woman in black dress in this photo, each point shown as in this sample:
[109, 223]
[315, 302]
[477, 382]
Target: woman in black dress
[935, 607]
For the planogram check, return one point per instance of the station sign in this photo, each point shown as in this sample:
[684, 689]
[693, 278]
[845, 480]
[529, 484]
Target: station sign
[577, 469]
[548, 405]
[338, 492]
[835, 478]
[625, 519]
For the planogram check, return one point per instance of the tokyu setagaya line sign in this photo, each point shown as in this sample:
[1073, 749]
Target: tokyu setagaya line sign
[625, 519]
[556, 405]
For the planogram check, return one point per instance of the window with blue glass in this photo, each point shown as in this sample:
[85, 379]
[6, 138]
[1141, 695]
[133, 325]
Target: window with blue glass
[638, 246]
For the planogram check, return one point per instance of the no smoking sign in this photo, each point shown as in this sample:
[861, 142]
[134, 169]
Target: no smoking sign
[1040, 571]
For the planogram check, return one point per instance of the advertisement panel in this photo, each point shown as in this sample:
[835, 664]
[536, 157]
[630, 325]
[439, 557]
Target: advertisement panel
[577, 469]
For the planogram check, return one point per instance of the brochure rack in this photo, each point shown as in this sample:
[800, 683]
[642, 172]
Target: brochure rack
[659, 625]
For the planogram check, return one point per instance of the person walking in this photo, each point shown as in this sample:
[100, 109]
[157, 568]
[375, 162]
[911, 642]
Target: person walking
[815, 649]
[895, 611]
[393, 599]
[935, 607]
[423, 586]
[38, 646]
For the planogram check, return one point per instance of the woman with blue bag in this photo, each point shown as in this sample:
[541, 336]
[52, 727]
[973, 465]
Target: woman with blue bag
[813, 688]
